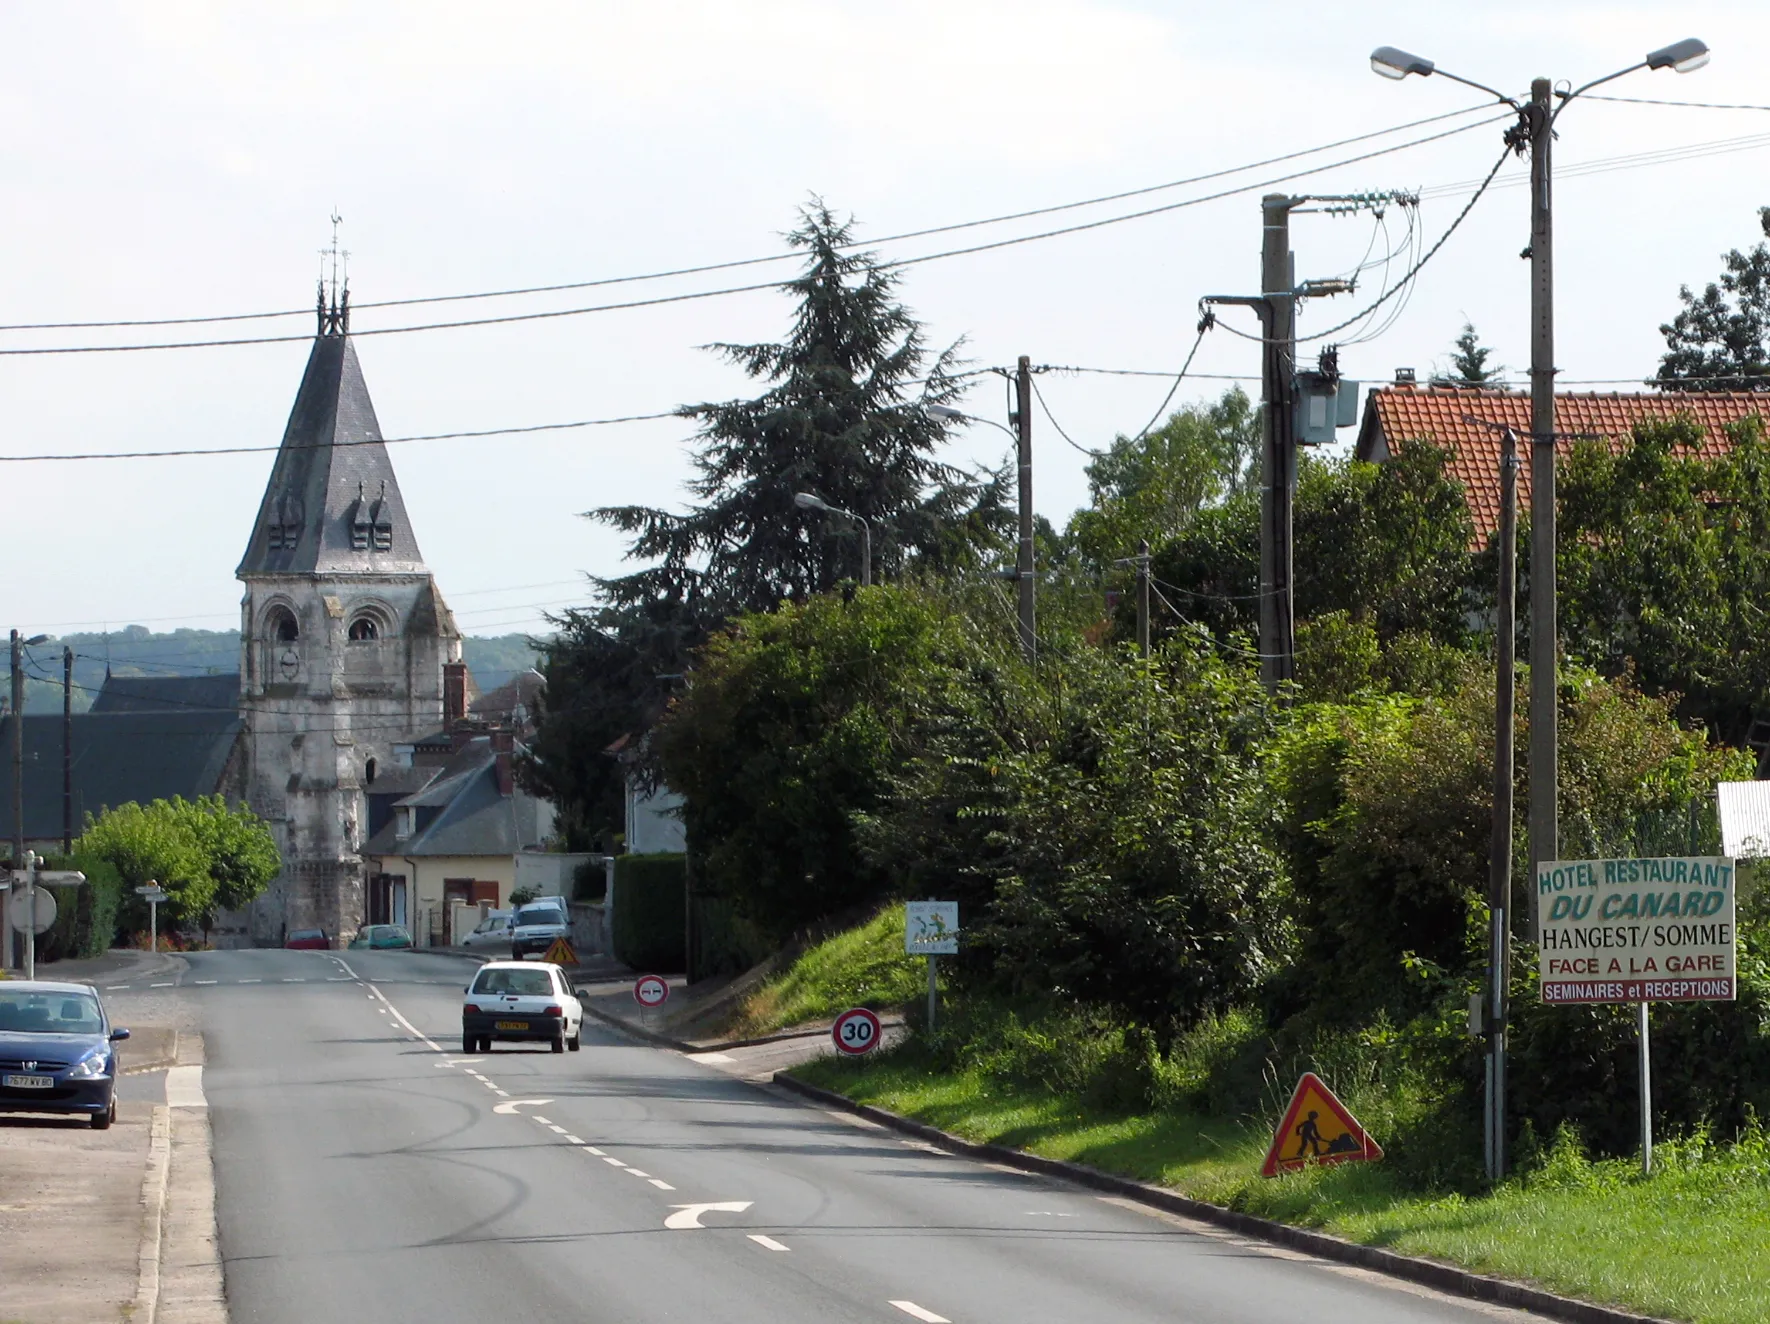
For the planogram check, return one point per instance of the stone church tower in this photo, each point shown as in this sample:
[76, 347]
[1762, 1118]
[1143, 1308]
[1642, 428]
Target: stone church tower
[343, 641]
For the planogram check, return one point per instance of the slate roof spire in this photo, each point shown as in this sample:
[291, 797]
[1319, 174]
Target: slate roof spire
[332, 473]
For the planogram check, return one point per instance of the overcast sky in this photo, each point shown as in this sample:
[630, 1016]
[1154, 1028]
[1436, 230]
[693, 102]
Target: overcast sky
[173, 160]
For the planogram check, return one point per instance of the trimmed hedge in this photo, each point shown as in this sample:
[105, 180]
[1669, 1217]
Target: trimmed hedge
[86, 916]
[649, 913]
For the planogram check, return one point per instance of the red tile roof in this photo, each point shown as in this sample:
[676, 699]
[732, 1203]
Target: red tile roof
[1396, 415]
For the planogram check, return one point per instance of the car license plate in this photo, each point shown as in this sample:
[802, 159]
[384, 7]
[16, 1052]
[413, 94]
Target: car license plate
[513, 1025]
[28, 1082]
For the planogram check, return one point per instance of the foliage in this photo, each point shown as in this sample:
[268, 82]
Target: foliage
[521, 896]
[1468, 362]
[1152, 485]
[1665, 564]
[1105, 823]
[86, 916]
[1384, 543]
[208, 856]
[1717, 343]
[648, 918]
[792, 725]
[863, 966]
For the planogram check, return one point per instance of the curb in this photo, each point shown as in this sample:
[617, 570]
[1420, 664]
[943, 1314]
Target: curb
[153, 1216]
[1430, 1273]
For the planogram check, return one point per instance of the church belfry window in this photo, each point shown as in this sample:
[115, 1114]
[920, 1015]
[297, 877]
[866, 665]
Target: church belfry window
[280, 626]
[362, 629]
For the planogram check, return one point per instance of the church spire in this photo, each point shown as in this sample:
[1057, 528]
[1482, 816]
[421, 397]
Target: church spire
[332, 301]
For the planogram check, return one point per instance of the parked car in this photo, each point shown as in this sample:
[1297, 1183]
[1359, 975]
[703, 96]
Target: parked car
[308, 940]
[58, 1052]
[382, 937]
[493, 932]
[519, 1000]
[538, 925]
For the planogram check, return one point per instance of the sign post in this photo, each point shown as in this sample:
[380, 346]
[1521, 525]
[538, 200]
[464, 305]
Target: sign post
[931, 929]
[1637, 930]
[153, 894]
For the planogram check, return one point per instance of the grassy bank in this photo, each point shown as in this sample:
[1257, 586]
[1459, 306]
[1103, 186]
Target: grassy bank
[859, 967]
[1691, 1242]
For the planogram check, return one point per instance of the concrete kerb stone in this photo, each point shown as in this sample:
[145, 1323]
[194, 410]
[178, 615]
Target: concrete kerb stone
[153, 1215]
[1429, 1273]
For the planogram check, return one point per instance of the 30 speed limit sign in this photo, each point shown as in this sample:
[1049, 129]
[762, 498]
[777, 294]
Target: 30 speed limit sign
[856, 1031]
[650, 991]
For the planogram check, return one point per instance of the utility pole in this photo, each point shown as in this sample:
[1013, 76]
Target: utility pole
[67, 750]
[18, 778]
[1499, 869]
[1278, 456]
[1544, 644]
[1143, 598]
[1023, 563]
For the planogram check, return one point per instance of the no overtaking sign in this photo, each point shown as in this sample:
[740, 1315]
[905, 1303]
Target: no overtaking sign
[1637, 930]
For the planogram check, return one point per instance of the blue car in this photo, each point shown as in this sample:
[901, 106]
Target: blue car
[58, 1052]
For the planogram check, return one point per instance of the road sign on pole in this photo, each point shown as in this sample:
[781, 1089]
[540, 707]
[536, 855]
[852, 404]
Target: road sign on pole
[1317, 1128]
[931, 928]
[651, 991]
[32, 911]
[856, 1031]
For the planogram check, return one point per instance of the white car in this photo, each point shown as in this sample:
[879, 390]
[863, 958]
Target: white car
[522, 1001]
[538, 925]
[493, 933]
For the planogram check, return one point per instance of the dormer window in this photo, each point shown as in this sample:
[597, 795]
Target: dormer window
[283, 529]
[371, 522]
[403, 821]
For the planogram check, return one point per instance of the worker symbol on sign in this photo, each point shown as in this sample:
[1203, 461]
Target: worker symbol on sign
[1317, 1128]
[1310, 1143]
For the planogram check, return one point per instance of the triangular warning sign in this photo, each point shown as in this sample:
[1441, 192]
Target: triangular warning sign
[560, 953]
[1317, 1128]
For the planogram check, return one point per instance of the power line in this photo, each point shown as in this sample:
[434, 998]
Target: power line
[757, 261]
[894, 264]
[1649, 101]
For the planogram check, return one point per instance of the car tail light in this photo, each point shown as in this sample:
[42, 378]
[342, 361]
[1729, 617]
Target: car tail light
[555, 1010]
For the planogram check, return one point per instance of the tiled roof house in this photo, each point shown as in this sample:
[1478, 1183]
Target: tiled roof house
[1395, 415]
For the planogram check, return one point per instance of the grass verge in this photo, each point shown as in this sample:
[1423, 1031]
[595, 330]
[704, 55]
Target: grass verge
[1691, 1242]
[859, 967]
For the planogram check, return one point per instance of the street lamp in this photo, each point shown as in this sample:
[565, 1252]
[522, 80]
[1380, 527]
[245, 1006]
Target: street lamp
[1535, 126]
[809, 501]
[1024, 564]
[19, 644]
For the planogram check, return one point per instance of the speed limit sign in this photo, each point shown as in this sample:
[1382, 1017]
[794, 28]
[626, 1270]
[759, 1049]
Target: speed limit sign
[650, 991]
[856, 1031]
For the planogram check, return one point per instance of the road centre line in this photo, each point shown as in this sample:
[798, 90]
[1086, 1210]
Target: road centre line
[594, 1150]
[418, 1034]
[251, 981]
[767, 1243]
[609, 1158]
[205, 981]
[917, 1312]
[662, 1185]
[109, 987]
[167, 984]
[571, 1139]
[637, 1173]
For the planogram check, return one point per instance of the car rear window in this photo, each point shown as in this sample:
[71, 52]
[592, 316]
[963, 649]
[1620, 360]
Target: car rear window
[27, 1012]
[541, 913]
[532, 983]
[306, 933]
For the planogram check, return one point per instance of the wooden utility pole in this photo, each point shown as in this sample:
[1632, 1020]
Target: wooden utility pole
[1278, 456]
[1023, 562]
[17, 713]
[1544, 643]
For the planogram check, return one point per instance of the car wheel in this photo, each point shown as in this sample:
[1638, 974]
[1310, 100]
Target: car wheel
[577, 1040]
[102, 1121]
[467, 1044]
[559, 1043]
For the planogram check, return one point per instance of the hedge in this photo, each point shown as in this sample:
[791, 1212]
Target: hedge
[86, 916]
[648, 920]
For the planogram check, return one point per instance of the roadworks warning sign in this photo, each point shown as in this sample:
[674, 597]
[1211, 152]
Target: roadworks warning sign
[1317, 1128]
[560, 953]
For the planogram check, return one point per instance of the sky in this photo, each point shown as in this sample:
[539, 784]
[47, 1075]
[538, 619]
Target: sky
[182, 160]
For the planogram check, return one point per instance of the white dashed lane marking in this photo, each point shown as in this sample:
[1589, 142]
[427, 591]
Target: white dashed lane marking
[205, 981]
[915, 1311]
[767, 1243]
[662, 1185]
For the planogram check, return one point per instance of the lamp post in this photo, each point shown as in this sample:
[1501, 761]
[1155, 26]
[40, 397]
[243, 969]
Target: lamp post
[1535, 128]
[1021, 432]
[808, 501]
[19, 644]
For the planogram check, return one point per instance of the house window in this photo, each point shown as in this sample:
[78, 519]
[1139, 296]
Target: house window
[363, 628]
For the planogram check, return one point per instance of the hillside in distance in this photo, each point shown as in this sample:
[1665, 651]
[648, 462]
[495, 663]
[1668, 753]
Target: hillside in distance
[138, 651]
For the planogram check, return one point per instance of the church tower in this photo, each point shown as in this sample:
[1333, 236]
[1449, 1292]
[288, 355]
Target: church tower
[343, 640]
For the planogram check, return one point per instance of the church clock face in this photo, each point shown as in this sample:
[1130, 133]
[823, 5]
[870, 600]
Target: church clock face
[289, 664]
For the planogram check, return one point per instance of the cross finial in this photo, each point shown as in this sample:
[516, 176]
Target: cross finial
[335, 284]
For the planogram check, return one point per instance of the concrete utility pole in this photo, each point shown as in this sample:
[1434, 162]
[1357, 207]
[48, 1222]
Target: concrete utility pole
[1499, 867]
[1545, 773]
[1143, 598]
[67, 750]
[1023, 562]
[1278, 455]
[17, 711]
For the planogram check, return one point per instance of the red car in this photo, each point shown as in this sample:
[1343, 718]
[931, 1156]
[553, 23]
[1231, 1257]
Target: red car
[308, 940]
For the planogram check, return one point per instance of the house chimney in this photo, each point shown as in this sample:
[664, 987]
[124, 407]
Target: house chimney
[454, 692]
[1404, 377]
[504, 746]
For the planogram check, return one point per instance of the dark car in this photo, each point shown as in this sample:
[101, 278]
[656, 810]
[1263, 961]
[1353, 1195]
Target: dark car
[381, 937]
[58, 1052]
[308, 940]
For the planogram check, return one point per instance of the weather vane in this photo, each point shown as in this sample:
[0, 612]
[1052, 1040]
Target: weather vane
[334, 272]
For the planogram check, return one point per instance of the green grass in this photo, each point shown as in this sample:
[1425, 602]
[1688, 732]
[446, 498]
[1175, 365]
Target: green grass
[1692, 1242]
[859, 967]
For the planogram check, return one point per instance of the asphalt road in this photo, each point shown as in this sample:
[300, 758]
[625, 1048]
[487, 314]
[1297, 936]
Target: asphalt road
[365, 1172]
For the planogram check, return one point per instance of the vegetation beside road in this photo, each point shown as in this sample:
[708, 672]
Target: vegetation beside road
[860, 967]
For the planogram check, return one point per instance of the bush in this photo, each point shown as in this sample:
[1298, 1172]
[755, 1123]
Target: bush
[589, 880]
[86, 916]
[649, 913]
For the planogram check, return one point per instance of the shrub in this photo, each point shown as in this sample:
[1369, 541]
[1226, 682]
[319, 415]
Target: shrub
[648, 920]
[86, 916]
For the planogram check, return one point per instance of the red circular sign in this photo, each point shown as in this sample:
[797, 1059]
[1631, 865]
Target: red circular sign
[856, 1031]
[651, 991]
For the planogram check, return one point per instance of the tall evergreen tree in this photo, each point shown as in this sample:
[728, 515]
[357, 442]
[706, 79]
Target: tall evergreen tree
[1718, 342]
[1468, 361]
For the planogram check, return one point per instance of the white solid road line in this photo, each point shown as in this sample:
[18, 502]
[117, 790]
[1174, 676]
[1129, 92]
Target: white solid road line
[184, 1088]
[926, 1316]
[767, 1243]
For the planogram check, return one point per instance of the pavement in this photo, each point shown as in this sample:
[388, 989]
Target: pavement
[365, 1169]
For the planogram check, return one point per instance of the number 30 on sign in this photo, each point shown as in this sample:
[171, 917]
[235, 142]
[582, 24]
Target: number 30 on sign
[856, 1031]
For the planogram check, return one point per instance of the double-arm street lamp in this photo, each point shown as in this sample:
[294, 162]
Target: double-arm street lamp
[1024, 568]
[1535, 128]
[809, 501]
